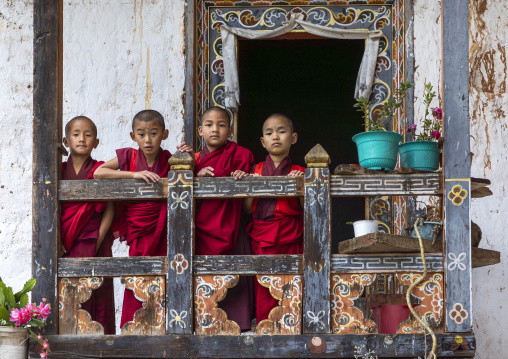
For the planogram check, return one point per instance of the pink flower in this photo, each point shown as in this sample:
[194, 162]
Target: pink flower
[437, 112]
[436, 134]
[411, 128]
[45, 345]
[26, 315]
[39, 336]
[43, 310]
[16, 316]
[44, 355]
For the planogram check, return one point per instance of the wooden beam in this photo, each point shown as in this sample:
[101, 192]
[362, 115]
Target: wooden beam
[46, 161]
[457, 165]
[386, 185]
[179, 288]
[111, 267]
[317, 241]
[248, 265]
[204, 187]
[380, 242]
[450, 345]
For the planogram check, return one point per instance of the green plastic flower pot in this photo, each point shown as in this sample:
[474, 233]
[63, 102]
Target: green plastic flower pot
[420, 155]
[377, 150]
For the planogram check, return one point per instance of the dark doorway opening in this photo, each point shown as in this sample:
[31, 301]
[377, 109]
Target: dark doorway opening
[312, 82]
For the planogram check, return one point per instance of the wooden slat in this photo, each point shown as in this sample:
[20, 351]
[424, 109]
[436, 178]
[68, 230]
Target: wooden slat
[484, 257]
[205, 187]
[380, 242]
[457, 165]
[254, 346]
[46, 136]
[386, 185]
[317, 240]
[111, 267]
[179, 296]
[248, 265]
[228, 187]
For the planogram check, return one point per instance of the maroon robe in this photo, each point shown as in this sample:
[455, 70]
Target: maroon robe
[276, 228]
[218, 227]
[217, 220]
[142, 224]
[80, 222]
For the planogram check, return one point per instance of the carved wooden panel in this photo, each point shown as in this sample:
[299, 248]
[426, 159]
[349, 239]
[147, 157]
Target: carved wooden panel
[209, 319]
[287, 317]
[346, 317]
[430, 295]
[150, 319]
[73, 320]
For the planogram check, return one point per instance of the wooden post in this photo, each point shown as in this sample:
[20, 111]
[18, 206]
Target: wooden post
[179, 307]
[46, 161]
[317, 239]
[457, 165]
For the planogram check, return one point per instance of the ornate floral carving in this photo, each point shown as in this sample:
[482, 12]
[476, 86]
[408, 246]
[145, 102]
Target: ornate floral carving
[287, 317]
[346, 318]
[72, 319]
[210, 320]
[179, 263]
[458, 313]
[148, 320]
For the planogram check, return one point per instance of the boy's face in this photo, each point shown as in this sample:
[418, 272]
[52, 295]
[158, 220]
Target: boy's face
[277, 137]
[215, 129]
[81, 138]
[149, 135]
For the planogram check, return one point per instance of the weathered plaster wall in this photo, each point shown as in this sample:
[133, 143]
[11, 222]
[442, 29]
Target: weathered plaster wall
[120, 57]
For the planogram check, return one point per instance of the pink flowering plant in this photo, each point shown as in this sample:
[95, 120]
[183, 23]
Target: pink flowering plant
[433, 122]
[16, 311]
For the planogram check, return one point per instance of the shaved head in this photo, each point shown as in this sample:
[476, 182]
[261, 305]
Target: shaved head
[281, 116]
[217, 109]
[147, 116]
[68, 125]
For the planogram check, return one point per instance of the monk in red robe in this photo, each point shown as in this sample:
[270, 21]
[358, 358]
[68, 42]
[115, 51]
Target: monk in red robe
[85, 225]
[218, 220]
[143, 225]
[277, 224]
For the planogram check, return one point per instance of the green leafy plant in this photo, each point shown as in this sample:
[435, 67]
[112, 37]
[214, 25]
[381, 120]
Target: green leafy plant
[432, 126]
[16, 311]
[387, 112]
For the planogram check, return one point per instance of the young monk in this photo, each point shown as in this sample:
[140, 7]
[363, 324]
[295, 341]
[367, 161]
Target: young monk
[85, 225]
[218, 220]
[141, 223]
[277, 225]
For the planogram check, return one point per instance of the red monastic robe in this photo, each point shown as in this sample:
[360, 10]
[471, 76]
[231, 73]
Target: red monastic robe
[276, 228]
[217, 220]
[142, 224]
[218, 229]
[80, 222]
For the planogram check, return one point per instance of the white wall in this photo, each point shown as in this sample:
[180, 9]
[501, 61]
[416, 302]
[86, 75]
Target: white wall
[108, 78]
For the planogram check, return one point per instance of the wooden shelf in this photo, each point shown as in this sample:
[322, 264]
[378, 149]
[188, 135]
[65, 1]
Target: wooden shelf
[380, 242]
[479, 187]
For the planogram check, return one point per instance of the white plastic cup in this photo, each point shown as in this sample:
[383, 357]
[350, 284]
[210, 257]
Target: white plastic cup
[365, 227]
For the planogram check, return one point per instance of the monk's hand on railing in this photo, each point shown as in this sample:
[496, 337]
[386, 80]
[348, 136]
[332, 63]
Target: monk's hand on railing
[183, 147]
[239, 174]
[254, 175]
[147, 176]
[206, 172]
[296, 173]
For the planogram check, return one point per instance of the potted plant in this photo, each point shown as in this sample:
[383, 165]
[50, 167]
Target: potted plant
[18, 317]
[422, 153]
[377, 147]
[429, 224]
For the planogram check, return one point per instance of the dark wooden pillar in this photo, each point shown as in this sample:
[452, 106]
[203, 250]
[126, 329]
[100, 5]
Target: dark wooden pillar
[457, 165]
[190, 62]
[46, 162]
[317, 239]
[179, 298]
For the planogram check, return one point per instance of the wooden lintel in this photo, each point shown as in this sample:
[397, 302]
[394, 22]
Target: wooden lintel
[111, 267]
[386, 184]
[248, 265]
[254, 346]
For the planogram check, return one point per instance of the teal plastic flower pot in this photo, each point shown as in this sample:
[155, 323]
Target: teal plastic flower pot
[377, 150]
[420, 155]
[428, 230]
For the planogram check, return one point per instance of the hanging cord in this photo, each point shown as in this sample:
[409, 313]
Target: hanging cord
[423, 322]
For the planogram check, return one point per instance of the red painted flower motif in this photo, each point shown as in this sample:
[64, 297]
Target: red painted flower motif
[179, 263]
[458, 313]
